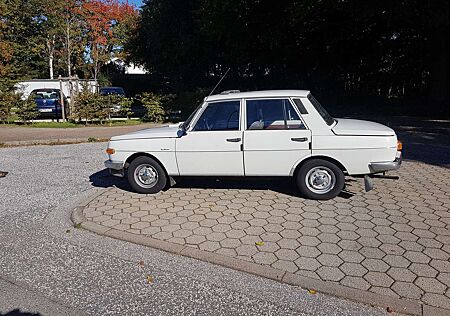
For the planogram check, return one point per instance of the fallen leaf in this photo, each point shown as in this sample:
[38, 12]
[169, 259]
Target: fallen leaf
[77, 225]
[149, 279]
[141, 263]
[389, 309]
[311, 291]
[259, 243]
[67, 231]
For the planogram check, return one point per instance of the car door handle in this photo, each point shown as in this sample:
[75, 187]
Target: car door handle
[299, 139]
[233, 140]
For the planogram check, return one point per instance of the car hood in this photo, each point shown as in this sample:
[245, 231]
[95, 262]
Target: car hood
[361, 128]
[169, 131]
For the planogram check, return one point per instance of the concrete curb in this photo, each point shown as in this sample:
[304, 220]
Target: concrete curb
[405, 306]
[53, 142]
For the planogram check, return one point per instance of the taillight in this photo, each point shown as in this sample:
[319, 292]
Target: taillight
[399, 145]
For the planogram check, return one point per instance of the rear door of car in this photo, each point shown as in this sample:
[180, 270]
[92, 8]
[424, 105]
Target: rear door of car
[275, 137]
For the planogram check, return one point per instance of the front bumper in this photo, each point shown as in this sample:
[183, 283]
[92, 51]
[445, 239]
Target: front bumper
[377, 167]
[115, 167]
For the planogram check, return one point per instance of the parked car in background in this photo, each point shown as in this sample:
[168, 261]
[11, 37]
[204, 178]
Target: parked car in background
[284, 133]
[48, 102]
[112, 91]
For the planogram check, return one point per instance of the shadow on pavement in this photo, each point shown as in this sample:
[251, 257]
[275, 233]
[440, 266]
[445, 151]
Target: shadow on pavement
[102, 179]
[17, 312]
[284, 185]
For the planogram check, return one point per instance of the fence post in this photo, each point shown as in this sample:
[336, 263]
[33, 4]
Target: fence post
[63, 106]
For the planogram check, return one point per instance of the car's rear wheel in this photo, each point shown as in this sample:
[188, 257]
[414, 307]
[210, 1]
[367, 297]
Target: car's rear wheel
[146, 175]
[320, 179]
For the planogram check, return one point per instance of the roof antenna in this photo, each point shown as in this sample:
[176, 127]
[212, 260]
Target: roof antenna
[223, 77]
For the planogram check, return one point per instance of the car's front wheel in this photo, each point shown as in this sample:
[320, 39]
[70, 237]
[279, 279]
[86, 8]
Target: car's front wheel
[146, 175]
[320, 179]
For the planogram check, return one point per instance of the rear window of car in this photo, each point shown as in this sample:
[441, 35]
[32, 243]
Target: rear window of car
[45, 94]
[272, 114]
[319, 108]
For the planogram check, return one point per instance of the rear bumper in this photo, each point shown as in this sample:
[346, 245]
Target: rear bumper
[377, 167]
[115, 167]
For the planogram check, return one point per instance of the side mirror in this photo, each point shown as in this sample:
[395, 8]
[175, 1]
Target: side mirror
[181, 133]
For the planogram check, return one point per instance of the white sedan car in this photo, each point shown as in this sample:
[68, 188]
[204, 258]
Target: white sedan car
[284, 133]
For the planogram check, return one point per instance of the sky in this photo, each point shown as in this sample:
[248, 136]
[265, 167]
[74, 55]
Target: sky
[137, 3]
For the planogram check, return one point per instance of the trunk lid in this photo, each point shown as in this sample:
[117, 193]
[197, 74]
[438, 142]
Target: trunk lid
[361, 128]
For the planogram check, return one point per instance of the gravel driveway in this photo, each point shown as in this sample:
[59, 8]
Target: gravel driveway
[48, 266]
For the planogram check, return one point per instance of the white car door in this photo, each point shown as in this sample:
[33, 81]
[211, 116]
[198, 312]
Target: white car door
[213, 146]
[275, 137]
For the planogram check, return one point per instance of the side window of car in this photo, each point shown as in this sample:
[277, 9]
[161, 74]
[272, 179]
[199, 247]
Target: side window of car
[293, 121]
[272, 114]
[219, 116]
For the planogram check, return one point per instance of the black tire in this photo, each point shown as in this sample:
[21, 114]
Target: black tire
[328, 171]
[149, 165]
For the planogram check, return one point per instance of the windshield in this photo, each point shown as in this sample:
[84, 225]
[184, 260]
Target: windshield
[325, 115]
[186, 123]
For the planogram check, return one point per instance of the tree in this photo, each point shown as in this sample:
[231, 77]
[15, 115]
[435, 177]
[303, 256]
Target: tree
[19, 41]
[102, 17]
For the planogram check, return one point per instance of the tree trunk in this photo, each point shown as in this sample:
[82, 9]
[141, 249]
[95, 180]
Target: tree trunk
[50, 66]
[69, 53]
[51, 51]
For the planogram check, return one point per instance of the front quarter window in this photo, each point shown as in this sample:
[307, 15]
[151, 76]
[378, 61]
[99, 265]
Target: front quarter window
[219, 116]
[319, 108]
[188, 121]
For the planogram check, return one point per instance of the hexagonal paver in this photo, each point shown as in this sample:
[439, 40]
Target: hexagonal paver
[330, 273]
[355, 282]
[430, 285]
[393, 240]
[246, 250]
[329, 260]
[310, 264]
[378, 279]
[353, 269]
[376, 265]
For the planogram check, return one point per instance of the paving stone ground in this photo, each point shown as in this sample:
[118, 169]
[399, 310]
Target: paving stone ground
[394, 240]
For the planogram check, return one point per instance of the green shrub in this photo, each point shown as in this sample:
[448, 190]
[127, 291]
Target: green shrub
[26, 109]
[89, 106]
[119, 103]
[153, 104]
[7, 101]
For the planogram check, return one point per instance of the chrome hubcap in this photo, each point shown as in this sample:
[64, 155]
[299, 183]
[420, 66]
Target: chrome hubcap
[320, 180]
[146, 176]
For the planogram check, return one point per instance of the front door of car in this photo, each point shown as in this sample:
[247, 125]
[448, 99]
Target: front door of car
[213, 145]
[275, 138]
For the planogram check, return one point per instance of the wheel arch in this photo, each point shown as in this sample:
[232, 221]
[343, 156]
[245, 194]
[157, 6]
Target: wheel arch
[142, 154]
[327, 158]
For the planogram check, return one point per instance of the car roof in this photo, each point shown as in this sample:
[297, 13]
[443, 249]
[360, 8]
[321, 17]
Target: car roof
[258, 94]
